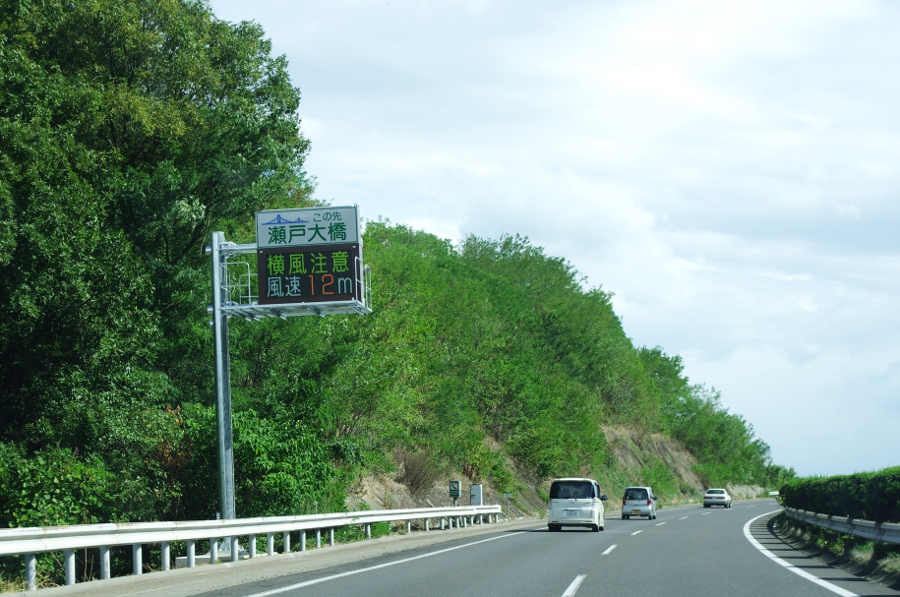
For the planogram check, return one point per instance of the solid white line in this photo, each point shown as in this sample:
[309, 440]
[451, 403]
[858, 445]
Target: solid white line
[609, 550]
[636, 532]
[378, 567]
[789, 566]
[570, 592]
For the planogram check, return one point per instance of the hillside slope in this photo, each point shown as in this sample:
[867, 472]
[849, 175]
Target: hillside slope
[636, 455]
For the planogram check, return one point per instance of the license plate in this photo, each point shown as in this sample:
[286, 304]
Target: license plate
[572, 512]
[636, 512]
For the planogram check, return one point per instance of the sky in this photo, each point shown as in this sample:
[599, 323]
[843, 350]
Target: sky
[730, 171]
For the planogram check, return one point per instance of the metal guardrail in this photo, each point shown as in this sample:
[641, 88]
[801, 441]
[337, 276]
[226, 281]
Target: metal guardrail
[30, 541]
[887, 532]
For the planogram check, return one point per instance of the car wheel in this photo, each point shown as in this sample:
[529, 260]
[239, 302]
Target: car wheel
[596, 528]
[706, 505]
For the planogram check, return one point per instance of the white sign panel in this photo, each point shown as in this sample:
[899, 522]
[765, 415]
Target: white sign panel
[307, 227]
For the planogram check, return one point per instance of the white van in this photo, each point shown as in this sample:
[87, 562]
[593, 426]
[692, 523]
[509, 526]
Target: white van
[575, 502]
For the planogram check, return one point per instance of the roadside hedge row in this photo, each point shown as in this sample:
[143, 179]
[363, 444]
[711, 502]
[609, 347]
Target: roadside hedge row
[867, 496]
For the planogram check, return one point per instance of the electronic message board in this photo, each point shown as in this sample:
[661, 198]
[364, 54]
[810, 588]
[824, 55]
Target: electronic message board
[309, 274]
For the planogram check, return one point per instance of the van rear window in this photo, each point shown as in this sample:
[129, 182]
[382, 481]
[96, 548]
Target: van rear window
[636, 494]
[571, 490]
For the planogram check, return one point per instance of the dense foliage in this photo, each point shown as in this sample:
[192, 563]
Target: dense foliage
[129, 130]
[867, 496]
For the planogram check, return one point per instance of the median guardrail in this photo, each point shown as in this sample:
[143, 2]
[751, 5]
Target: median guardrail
[887, 532]
[30, 541]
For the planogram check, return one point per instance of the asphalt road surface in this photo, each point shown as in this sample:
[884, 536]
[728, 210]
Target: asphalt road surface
[687, 551]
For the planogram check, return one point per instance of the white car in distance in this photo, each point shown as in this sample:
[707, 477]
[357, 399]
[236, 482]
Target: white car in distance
[716, 497]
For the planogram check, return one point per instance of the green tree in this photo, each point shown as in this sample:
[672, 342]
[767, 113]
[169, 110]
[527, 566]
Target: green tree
[128, 130]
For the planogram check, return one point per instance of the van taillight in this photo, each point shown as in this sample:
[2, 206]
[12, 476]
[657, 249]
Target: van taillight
[623, 501]
[649, 502]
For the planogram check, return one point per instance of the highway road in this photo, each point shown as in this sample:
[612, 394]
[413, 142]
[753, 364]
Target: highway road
[687, 551]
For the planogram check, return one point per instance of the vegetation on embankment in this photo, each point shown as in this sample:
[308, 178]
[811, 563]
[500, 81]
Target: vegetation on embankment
[871, 496]
[128, 132]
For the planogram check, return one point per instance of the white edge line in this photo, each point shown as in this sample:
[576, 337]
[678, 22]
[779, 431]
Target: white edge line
[316, 581]
[802, 573]
[573, 588]
[609, 550]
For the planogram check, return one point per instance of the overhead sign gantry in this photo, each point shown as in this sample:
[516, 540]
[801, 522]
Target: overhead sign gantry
[309, 261]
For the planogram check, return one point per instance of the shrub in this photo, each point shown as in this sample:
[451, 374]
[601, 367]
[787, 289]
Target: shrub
[417, 471]
[871, 496]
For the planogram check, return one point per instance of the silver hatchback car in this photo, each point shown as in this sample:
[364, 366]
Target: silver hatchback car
[638, 501]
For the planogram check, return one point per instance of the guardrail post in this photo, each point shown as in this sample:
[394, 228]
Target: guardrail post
[213, 551]
[426, 525]
[137, 557]
[165, 556]
[104, 562]
[408, 527]
[287, 542]
[252, 541]
[191, 554]
[270, 544]
[331, 536]
[30, 572]
[70, 566]
[368, 530]
[318, 538]
[235, 549]
[303, 540]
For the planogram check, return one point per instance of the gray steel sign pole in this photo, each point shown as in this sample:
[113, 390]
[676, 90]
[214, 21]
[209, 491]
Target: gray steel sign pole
[223, 385]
